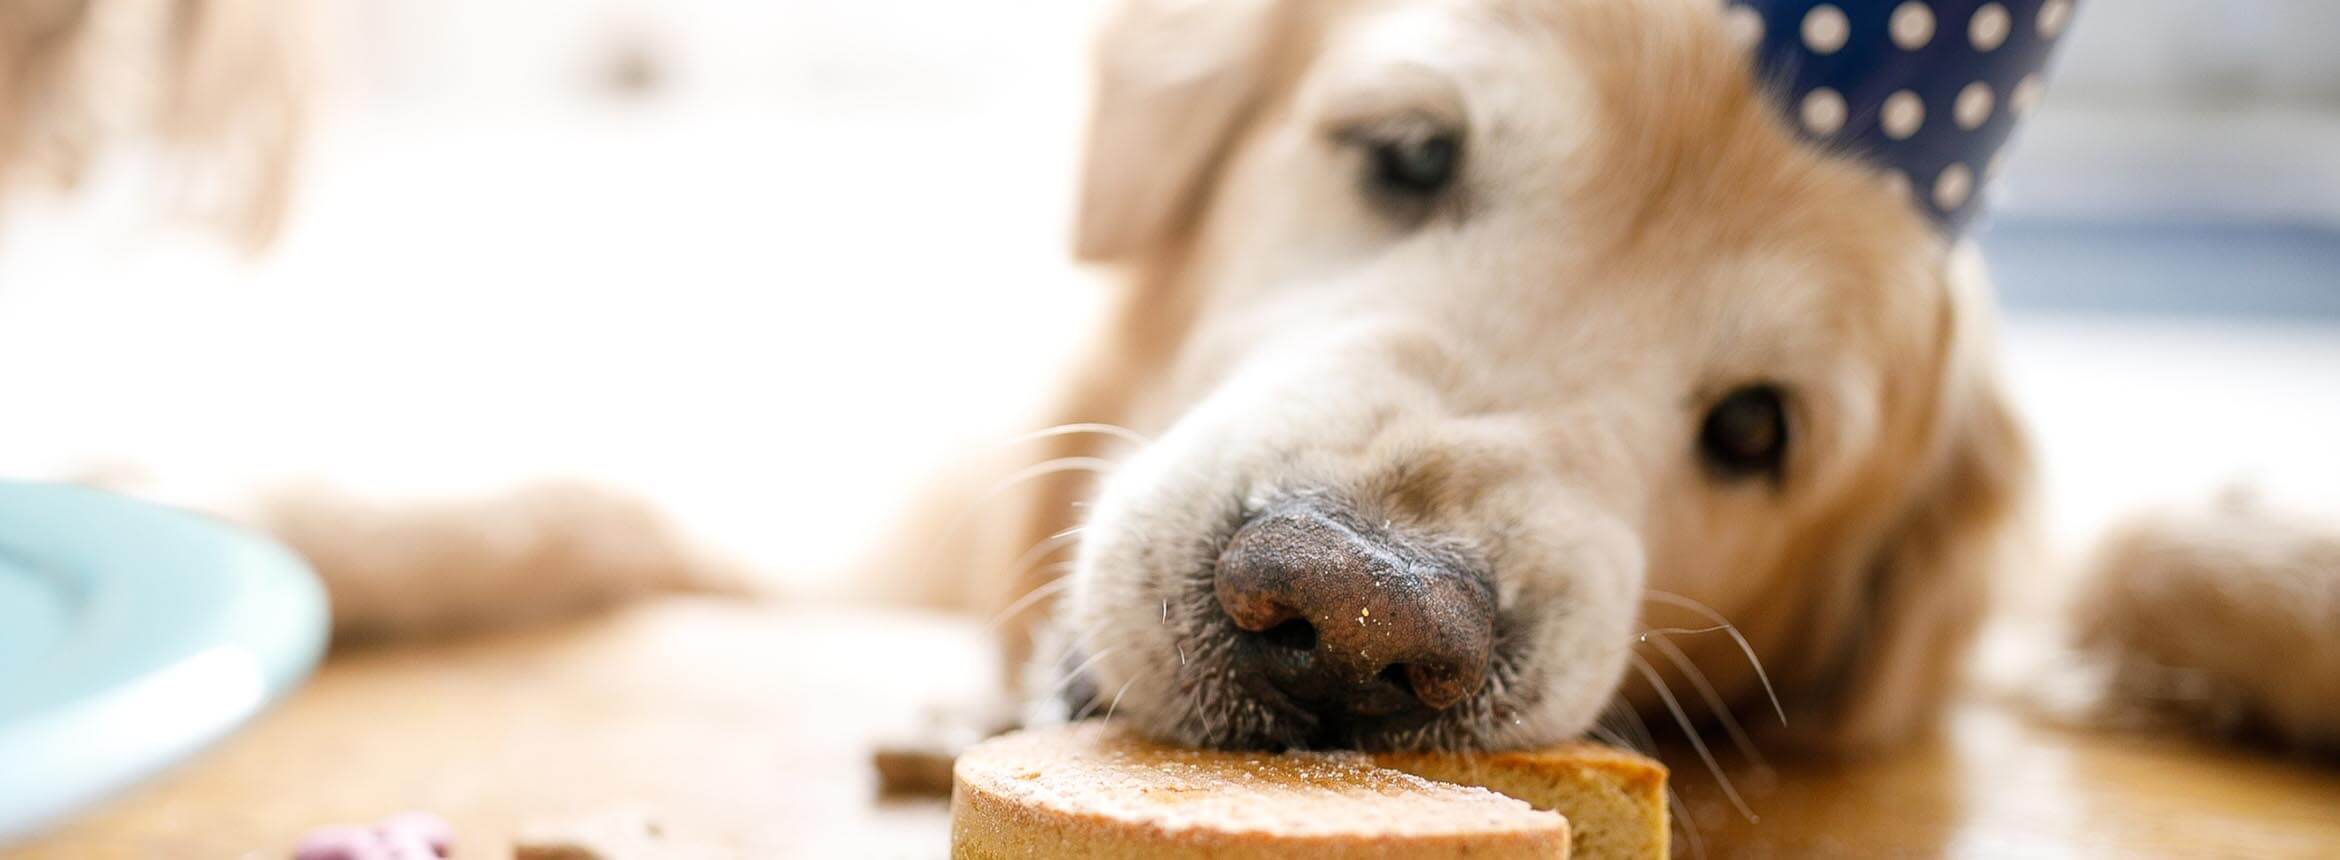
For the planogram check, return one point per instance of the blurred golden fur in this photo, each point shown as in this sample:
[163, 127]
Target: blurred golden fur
[219, 85]
[2221, 616]
[543, 551]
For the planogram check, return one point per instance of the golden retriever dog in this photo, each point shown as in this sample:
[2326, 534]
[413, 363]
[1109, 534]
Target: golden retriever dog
[1465, 345]
[1462, 349]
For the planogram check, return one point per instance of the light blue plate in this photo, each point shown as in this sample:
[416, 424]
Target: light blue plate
[130, 636]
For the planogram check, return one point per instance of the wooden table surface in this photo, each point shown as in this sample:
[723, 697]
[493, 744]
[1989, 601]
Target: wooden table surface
[747, 726]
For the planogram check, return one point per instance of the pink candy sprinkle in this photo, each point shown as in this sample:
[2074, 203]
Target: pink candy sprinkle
[405, 836]
[341, 843]
[431, 830]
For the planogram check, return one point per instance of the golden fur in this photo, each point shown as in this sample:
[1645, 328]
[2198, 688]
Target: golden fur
[2220, 616]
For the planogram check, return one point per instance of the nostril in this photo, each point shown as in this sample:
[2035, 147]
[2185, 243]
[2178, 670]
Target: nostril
[1295, 635]
[1423, 682]
[1395, 674]
[1437, 685]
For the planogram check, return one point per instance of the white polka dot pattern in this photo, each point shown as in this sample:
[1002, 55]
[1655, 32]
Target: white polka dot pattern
[1929, 90]
[1952, 186]
[1973, 106]
[2026, 95]
[1823, 111]
[1904, 114]
[1988, 28]
[2053, 15]
[1745, 26]
[1912, 25]
[1824, 29]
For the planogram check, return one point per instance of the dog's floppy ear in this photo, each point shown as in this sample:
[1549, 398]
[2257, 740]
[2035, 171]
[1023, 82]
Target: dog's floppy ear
[1912, 597]
[1175, 78]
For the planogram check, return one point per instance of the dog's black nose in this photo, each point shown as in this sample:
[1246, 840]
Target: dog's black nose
[1341, 618]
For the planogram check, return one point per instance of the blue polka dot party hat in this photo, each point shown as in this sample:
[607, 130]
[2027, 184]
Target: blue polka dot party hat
[1929, 89]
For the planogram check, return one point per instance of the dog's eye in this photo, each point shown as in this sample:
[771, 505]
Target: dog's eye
[1415, 166]
[1406, 161]
[1746, 433]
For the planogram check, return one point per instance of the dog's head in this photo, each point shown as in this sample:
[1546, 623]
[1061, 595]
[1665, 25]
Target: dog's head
[1485, 318]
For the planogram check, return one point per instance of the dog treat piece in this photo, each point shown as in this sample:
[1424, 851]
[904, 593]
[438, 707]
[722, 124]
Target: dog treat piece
[911, 770]
[1615, 800]
[1092, 790]
[917, 763]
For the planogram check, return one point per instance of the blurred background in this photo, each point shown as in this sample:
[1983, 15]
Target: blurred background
[771, 264]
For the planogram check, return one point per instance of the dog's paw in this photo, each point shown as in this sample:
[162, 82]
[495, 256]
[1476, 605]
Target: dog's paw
[2226, 618]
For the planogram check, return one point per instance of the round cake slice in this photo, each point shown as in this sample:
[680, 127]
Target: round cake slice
[1094, 790]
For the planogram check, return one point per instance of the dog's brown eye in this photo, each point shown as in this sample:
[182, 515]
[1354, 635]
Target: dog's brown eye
[1417, 167]
[1746, 433]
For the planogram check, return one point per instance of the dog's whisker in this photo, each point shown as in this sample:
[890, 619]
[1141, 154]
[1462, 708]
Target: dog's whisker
[1714, 702]
[1080, 642]
[1690, 731]
[1681, 815]
[1045, 546]
[1634, 734]
[1024, 564]
[1117, 699]
[1097, 427]
[1075, 672]
[1043, 469]
[1038, 593]
[1091, 707]
[1671, 599]
[1680, 631]
[1628, 723]
[1085, 642]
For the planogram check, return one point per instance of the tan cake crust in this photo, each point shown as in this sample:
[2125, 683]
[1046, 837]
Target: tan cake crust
[1095, 791]
[1615, 800]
